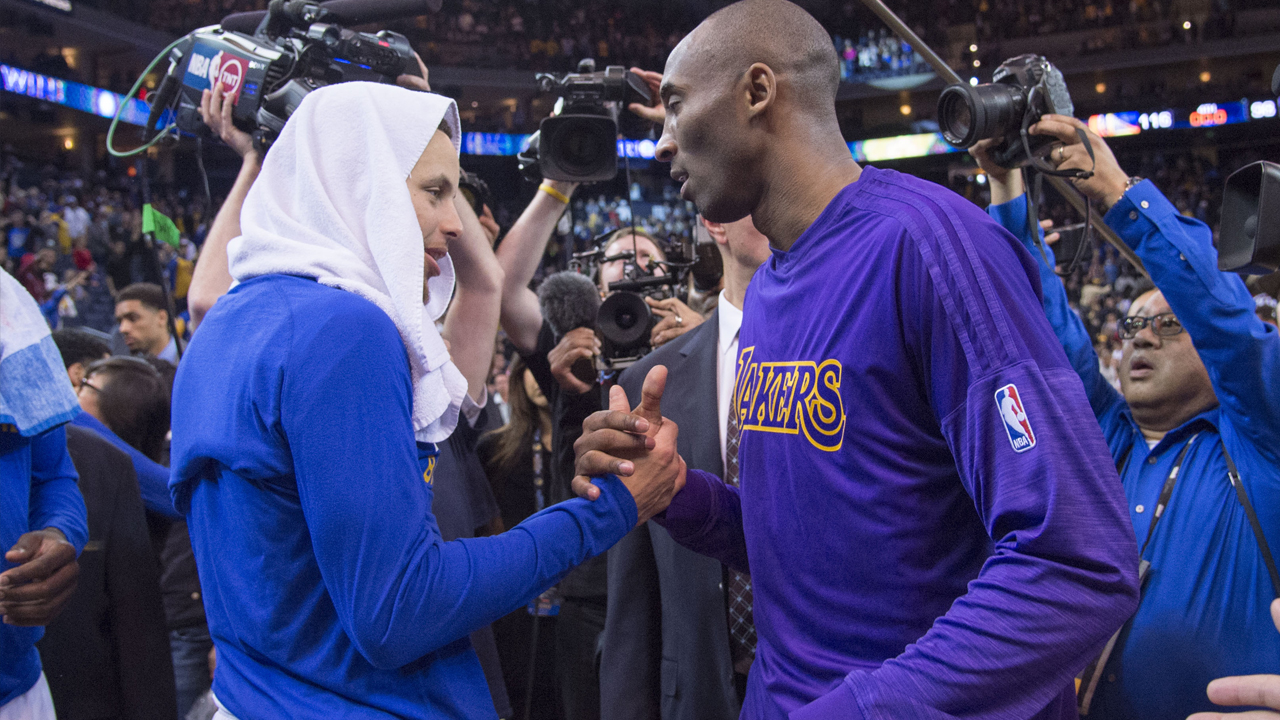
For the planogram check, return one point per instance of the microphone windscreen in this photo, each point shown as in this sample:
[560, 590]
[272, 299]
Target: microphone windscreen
[359, 12]
[569, 300]
[243, 22]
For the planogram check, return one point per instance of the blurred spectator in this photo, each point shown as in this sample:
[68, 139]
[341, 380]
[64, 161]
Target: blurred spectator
[129, 397]
[107, 654]
[142, 313]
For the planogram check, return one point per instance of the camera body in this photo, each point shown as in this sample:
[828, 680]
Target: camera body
[267, 74]
[580, 144]
[624, 320]
[1024, 89]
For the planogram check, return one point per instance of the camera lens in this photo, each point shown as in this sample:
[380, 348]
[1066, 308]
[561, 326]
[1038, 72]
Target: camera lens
[581, 147]
[624, 320]
[968, 113]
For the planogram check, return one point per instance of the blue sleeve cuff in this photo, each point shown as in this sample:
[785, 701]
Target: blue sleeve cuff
[612, 489]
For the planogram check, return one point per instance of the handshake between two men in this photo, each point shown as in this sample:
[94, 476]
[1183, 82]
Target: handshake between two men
[639, 446]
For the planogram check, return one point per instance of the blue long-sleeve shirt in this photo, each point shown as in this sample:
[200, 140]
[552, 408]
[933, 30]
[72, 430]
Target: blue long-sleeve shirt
[328, 589]
[930, 516]
[37, 490]
[1205, 609]
[153, 478]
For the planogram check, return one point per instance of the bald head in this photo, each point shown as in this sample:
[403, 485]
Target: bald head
[751, 118]
[777, 33]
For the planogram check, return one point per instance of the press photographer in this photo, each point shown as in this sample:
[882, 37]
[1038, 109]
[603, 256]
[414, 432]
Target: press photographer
[556, 335]
[1194, 434]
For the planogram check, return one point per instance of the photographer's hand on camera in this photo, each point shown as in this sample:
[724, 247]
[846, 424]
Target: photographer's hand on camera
[1005, 184]
[1108, 183]
[413, 82]
[211, 278]
[677, 319]
[638, 446]
[215, 111]
[575, 345]
[657, 113]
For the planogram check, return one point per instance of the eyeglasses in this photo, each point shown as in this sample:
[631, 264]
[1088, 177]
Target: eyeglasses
[91, 386]
[1164, 325]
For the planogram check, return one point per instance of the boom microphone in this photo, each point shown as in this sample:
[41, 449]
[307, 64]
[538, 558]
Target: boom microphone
[243, 22]
[569, 300]
[348, 12]
[359, 12]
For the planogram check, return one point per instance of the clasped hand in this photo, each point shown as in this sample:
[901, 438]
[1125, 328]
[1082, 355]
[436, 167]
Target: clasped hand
[638, 446]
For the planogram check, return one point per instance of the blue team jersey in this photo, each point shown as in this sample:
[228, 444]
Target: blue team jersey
[328, 589]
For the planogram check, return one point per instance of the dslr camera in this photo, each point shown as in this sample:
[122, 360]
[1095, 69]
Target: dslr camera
[1024, 89]
[580, 144]
[298, 46]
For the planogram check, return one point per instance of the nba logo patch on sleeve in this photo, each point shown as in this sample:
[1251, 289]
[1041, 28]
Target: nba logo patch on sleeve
[1014, 415]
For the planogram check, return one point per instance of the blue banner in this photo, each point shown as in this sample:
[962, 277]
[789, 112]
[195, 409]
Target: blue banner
[86, 98]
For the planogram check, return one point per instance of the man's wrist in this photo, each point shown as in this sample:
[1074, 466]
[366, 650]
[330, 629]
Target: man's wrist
[1117, 192]
[56, 531]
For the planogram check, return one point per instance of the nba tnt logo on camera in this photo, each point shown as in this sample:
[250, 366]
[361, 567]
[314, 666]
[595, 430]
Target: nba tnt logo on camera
[1014, 415]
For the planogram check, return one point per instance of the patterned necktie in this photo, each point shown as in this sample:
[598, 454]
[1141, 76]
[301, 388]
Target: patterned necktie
[742, 629]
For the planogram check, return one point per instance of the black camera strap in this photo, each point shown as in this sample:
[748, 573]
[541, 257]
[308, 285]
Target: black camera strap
[1093, 674]
[1237, 482]
[1033, 177]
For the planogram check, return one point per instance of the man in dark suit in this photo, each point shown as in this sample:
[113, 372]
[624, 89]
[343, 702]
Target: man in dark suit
[107, 654]
[677, 642]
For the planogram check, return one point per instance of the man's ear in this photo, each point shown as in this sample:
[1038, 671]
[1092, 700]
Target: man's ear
[762, 88]
[716, 230]
[75, 373]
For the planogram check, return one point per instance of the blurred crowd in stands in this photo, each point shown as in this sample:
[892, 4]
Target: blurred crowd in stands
[552, 35]
[75, 242]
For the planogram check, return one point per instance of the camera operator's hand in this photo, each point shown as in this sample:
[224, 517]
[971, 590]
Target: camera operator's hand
[413, 82]
[1107, 185]
[677, 319]
[657, 113]
[1050, 237]
[1006, 184]
[639, 447]
[34, 592]
[215, 112]
[1258, 690]
[575, 345]
[490, 225]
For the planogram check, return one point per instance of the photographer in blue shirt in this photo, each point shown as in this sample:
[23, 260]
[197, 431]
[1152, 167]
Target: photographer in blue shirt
[1195, 434]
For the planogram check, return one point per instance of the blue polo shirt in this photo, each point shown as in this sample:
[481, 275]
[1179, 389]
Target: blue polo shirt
[327, 586]
[1205, 611]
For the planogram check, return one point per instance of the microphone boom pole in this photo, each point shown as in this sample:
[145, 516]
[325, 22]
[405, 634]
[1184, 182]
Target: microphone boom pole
[1064, 188]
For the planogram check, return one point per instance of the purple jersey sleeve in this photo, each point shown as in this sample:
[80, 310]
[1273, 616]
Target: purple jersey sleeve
[1062, 575]
[706, 517]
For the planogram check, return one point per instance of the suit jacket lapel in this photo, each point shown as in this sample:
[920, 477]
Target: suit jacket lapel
[693, 391]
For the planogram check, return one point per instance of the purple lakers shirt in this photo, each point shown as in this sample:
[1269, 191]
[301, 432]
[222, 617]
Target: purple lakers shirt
[928, 510]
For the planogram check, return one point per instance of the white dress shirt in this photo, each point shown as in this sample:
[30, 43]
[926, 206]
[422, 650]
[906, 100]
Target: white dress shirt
[726, 364]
